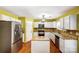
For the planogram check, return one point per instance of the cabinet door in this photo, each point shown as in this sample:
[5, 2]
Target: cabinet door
[49, 25]
[36, 24]
[58, 24]
[54, 24]
[70, 46]
[66, 22]
[61, 23]
[61, 44]
[73, 22]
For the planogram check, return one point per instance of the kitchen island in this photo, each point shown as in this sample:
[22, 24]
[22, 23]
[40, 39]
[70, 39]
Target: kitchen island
[40, 45]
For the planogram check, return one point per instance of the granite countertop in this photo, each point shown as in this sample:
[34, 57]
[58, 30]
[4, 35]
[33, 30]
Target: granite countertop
[67, 36]
[63, 35]
[42, 38]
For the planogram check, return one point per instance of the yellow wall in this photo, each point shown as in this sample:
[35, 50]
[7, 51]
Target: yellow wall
[23, 20]
[47, 20]
[70, 12]
[8, 14]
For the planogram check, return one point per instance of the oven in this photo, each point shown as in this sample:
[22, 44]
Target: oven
[40, 26]
[41, 31]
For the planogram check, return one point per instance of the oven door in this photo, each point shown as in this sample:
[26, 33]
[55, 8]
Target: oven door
[41, 33]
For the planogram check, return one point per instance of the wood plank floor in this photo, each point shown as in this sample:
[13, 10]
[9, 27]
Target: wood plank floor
[53, 48]
[27, 48]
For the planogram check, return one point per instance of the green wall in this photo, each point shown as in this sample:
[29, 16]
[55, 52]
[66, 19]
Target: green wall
[70, 12]
[23, 20]
[78, 29]
[8, 14]
[47, 20]
[78, 21]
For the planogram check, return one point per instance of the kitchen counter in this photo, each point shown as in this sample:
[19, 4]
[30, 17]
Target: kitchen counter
[42, 38]
[40, 45]
[66, 36]
[45, 29]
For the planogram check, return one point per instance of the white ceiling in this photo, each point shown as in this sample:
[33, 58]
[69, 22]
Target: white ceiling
[37, 11]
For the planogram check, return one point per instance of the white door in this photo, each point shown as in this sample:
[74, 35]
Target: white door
[29, 30]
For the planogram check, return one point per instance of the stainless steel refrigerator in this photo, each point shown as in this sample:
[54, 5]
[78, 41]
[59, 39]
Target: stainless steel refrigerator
[10, 36]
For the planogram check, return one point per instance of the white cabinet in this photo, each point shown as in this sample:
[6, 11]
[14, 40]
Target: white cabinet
[50, 24]
[70, 46]
[66, 22]
[36, 24]
[35, 34]
[40, 46]
[47, 24]
[61, 44]
[58, 24]
[54, 24]
[73, 22]
[61, 23]
[70, 22]
[47, 34]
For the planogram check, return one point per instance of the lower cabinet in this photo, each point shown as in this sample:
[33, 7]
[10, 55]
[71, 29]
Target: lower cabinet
[61, 44]
[68, 45]
[40, 46]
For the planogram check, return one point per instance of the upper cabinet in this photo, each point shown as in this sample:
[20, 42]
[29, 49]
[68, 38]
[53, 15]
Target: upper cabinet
[66, 22]
[46, 24]
[50, 24]
[73, 22]
[58, 24]
[36, 24]
[70, 22]
[61, 23]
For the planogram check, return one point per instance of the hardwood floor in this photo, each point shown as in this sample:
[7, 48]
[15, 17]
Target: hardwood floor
[27, 48]
[53, 48]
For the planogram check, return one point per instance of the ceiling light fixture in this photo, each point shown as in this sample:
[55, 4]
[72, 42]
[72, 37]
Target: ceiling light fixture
[43, 18]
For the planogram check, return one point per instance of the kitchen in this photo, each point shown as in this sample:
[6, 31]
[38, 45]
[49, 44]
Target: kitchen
[51, 31]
